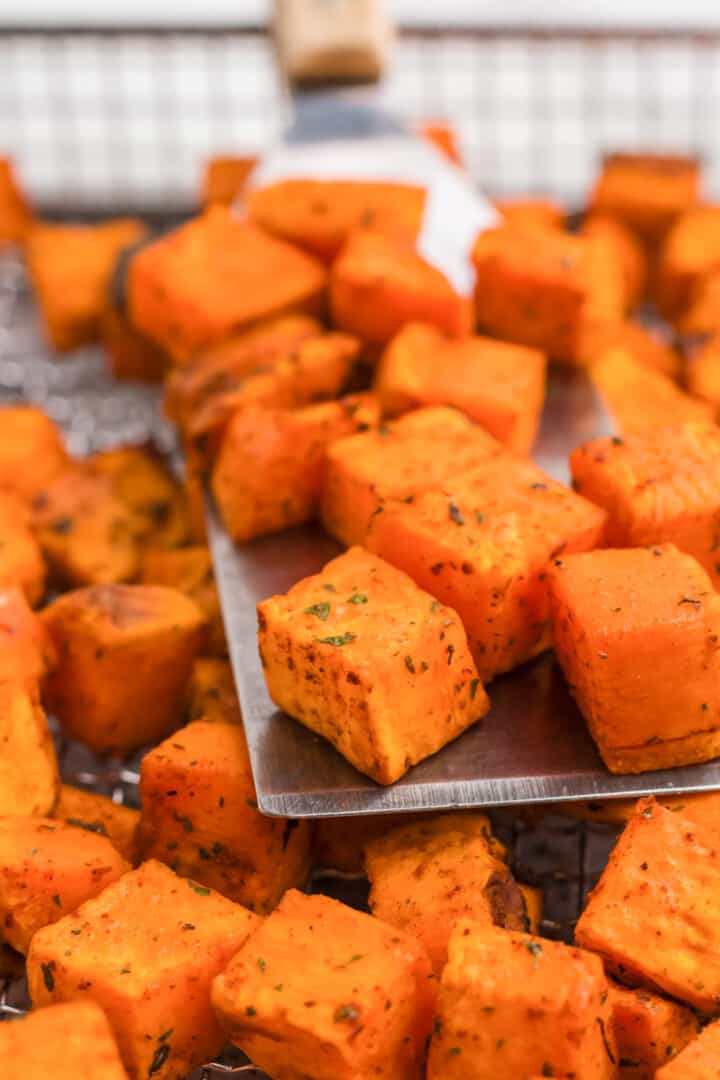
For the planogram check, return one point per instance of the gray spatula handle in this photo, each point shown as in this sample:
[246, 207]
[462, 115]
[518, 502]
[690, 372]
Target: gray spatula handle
[332, 41]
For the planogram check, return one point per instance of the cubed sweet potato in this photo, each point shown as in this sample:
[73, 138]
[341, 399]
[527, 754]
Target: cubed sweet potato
[659, 486]
[649, 1031]
[379, 282]
[320, 215]
[700, 1060]
[358, 653]
[691, 251]
[211, 693]
[402, 459]
[703, 807]
[146, 950]
[130, 355]
[640, 399]
[482, 544]
[532, 212]
[647, 191]
[703, 373]
[625, 248]
[224, 179]
[426, 875]
[649, 346]
[47, 869]
[339, 843]
[322, 990]
[269, 470]
[99, 814]
[32, 451]
[62, 1041]
[653, 916]
[499, 385]
[190, 570]
[29, 779]
[70, 267]
[547, 289]
[200, 816]
[512, 1005]
[21, 560]
[15, 212]
[213, 276]
[26, 650]
[701, 315]
[125, 656]
[141, 479]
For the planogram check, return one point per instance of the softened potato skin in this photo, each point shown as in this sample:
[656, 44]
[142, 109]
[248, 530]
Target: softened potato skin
[63, 1041]
[29, 778]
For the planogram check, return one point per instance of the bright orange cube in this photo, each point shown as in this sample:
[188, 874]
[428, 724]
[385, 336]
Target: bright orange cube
[27, 653]
[190, 570]
[99, 814]
[129, 354]
[32, 451]
[640, 399]
[62, 1041]
[224, 179]
[29, 780]
[703, 373]
[532, 212]
[700, 1060]
[627, 250]
[647, 192]
[15, 212]
[21, 560]
[649, 1030]
[691, 251]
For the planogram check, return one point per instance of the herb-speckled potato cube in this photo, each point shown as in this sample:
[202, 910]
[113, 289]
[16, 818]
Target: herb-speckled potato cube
[32, 451]
[99, 814]
[146, 950]
[363, 657]
[647, 191]
[211, 692]
[323, 991]
[700, 1060]
[63, 1041]
[141, 479]
[29, 779]
[125, 653]
[649, 1030]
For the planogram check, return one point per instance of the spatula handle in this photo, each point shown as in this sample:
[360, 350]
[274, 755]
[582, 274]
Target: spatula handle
[332, 41]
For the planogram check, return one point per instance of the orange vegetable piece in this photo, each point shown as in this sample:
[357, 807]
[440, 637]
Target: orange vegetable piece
[649, 346]
[125, 656]
[647, 191]
[702, 314]
[703, 807]
[15, 211]
[698, 1061]
[320, 215]
[190, 570]
[402, 459]
[703, 373]
[625, 248]
[482, 544]
[269, 471]
[532, 212]
[211, 693]
[640, 399]
[26, 651]
[211, 277]
[32, 452]
[70, 267]
[443, 137]
[499, 385]
[29, 779]
[338, 843]
[652, 916]
[48, 869]
[322, 990]
[512, 1004]
[62, 1041]
[371, 653]
[224, 179]
[426, 875]
[21, 560]
[99, 814]
[661, 486]
[690, 251]
[379, 282]
[146, 950]
[649, 1031]
[606, 606]
[130, 355]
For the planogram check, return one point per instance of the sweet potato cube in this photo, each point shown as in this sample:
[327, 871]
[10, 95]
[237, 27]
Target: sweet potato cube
[647, 191]
[199, 815]
[640, 399]
[691, 251]
[268, 473]
[660, 486]
[47, 869]
[15, 212]
[130, 355]
[701, 806]
[140, 478]
[146, 950]
[322, 990]
[211, 693]
[213, 276]
[501, 386]
[700, 1060]
[29, 778]
[402, 459]
[358, 653]
[26, 650]
[482, 544]
[32, 451]
[531, 213]
[70, 267]
[702, 314]
[703, 372]
[610, 608]
[21, 560]
[320, 215]
[125, 656]
[547, 289]
[649, 1031]
[649, 346]
[379, 282]
[512, 1005]
[224, 179]
[62, 1041]
[99, 814]
[190, 570]
[339, 843]
[426, 875]
[627, 251]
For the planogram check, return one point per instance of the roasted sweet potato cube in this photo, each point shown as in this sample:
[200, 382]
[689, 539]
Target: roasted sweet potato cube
[379, 282]
[700, 1060]
[358, 653]
[532, 212]
[339, 843]
[63, 1041]
[320, 215]
[269, 471]
[625, 248]
[15, 212]
[402, 459]
[653, 916]
[99, 814]
[703, 373]
[70, 267]
[499, 385]
[26, 650]
[512, 1005]
[660, 486]
[199, 815]
[47, 869]
[690, 251]
[699, 806]
[701, 316]
[190, 570]
[21, 560]
[647, 191]
[224, 179]
[443, 137]
[640, 399]
[32, 451]
[125, 656]
[130, 355]
[426, 875]
[648, 346]
[146, 950]
[87, 534]
[649, 1031]
[547, 289]
[211, 693]
[482, 544]
[609, 609]
[213, 276]
[29, 778]
[322, 990]
[141, 479]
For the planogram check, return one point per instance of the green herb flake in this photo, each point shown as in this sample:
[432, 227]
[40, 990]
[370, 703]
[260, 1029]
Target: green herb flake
[320, 611]
[424, 665]
[56, 900]
[201, 890]
[547, 1070]
[188, 926]
[338, 640]
[535, 950]
[251, 1011]
[456, 1050]
[409, 664]
[346, 1013]
[474, 683]
[329, 588]
[278, 987]
[479, 517]
[358, 598]
[261, 963]
[48, 977]
[435, 606]
[185, 822]
[165, 1035]
[161, 1055]
[455, 514]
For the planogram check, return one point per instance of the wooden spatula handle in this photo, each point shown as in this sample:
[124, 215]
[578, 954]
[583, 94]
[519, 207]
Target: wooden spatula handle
[332, 41]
